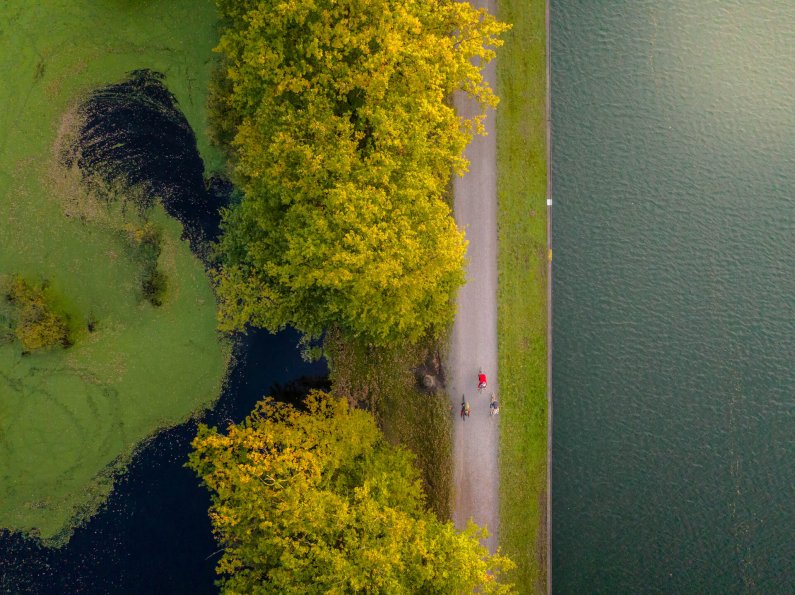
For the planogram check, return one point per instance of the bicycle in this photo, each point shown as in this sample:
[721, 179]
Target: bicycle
[466, 410]
[482, 383]
[494, 406]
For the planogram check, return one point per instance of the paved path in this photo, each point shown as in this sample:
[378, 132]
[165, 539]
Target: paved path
[474, 338]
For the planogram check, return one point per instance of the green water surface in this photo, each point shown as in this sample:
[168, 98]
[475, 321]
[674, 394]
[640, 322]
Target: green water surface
[68, 417]
[673, 127]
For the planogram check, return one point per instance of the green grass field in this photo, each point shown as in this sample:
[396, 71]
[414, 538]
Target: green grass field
[522, 307]
[71, 418]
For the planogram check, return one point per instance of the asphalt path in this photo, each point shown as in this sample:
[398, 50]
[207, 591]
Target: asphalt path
[474, 337]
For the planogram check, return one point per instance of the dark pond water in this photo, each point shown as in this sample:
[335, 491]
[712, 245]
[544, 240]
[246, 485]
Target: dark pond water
[135, 134]
[154, 536]
[674, 306]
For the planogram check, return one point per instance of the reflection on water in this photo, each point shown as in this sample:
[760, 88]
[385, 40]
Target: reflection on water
[673, 371]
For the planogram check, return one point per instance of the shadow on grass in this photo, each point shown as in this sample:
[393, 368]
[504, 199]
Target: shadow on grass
[385, 381]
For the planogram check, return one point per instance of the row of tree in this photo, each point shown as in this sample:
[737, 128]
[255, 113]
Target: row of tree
[338, 118]
[338, 121]
[317, 501]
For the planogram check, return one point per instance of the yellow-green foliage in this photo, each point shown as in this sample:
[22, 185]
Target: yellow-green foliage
[383, 380]
[143, 235]
[38, 325]
[318, 502]
[343, 142]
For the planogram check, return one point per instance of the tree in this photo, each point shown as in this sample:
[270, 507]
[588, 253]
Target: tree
[39, 324]
[318, 502]
[343, 142]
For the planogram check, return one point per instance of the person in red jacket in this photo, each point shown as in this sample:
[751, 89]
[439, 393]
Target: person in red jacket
[481, 380]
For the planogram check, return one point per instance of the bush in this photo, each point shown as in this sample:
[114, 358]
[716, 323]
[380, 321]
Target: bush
[145, 241]
[38, 323]
[154, 287]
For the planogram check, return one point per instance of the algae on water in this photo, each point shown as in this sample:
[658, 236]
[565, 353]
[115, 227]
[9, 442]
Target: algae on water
[144, 350]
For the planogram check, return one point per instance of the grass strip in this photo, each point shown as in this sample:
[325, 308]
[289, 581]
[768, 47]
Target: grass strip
[522, 304]
[385, 381]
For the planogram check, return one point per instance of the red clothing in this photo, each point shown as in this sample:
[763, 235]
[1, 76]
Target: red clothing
[481, 379]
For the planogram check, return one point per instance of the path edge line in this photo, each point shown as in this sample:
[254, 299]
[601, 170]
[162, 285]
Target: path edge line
[549, 300]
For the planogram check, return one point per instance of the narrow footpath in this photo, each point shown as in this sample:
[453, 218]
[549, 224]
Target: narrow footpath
[474, 337]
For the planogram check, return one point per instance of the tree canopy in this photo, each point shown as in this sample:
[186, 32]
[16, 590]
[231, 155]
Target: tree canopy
[318, 502]
[343, 140]
[31, 314]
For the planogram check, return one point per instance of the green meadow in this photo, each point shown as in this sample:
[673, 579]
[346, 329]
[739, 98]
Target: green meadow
[522, 298]
[70, 418]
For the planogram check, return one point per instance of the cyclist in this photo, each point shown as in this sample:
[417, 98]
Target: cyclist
[494, 406]
[481, 380]
[466, 410]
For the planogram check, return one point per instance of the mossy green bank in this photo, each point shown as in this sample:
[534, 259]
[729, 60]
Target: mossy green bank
[71, 417]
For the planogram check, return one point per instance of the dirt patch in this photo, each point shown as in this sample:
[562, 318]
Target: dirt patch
[430, 375]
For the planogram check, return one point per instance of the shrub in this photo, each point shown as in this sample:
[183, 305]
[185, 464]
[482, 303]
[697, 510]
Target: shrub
[38, 323]
[145, 241]
[154, 287]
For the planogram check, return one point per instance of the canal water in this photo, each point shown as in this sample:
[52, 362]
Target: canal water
[673, 168]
